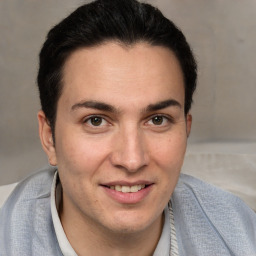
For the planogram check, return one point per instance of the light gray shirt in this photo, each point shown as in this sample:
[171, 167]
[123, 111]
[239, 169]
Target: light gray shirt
[207, 220]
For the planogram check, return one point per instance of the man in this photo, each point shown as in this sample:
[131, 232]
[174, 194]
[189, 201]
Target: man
[116, 81]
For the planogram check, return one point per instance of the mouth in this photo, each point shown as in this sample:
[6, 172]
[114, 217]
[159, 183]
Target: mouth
[128, 189]
[128, 193]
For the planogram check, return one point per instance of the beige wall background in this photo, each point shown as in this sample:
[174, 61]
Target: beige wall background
[221, 33]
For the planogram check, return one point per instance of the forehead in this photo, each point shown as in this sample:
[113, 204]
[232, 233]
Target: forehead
[114, 70]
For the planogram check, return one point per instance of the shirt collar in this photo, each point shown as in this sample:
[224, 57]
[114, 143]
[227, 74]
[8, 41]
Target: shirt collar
[64, 244]
[163, 246]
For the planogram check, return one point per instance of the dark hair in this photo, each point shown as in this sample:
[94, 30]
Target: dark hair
[125, 21]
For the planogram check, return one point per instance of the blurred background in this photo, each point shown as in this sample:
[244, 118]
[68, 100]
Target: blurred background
[222, 36]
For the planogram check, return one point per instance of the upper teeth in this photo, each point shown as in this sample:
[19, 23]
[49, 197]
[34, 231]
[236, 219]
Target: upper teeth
[127, 189]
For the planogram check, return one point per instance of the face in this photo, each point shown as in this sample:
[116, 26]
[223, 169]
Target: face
[120, 134]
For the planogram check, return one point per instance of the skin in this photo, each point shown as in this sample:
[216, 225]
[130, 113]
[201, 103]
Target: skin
[126, 142]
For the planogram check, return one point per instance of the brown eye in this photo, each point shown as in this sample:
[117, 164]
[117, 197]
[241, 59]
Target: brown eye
[95, 124]
[157, 120]
[96, 121]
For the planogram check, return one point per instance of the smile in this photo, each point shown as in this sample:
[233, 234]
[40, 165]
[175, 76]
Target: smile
[128, 193]
[128, 189]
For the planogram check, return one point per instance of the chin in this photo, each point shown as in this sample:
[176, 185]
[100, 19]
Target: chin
[127, 223]
[128, 229]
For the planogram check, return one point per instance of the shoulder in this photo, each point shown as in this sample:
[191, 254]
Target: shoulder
[208, 195]
[37, 185]
[26, 214]
[213, 217]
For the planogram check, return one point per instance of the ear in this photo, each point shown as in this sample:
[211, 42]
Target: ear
[188, 123]
[45, 134]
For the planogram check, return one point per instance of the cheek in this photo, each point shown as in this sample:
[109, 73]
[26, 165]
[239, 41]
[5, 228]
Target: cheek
[168, 156]
[80, 156]
[170, 150]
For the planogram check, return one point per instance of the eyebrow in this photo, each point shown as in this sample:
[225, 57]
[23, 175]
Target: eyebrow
[95, 105]
[162, 105]
[109, 108]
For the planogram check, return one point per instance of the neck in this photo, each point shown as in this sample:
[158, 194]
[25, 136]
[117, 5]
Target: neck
[88, 238]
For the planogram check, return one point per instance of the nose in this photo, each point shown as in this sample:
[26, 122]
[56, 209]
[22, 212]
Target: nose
[129, 151]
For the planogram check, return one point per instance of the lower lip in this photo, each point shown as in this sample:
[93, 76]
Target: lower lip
[128, 198]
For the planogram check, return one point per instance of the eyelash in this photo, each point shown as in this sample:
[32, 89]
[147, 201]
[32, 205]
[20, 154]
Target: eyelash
[168, 119]
[94, 116]
[150, 119]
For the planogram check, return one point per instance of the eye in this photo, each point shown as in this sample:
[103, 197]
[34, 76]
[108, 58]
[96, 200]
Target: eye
[95, 121]
[159, 120]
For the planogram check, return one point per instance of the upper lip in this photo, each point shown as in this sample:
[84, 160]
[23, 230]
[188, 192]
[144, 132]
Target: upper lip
[127, 183]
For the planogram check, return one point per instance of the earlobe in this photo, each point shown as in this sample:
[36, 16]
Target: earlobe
[45, 134]
[188, 123]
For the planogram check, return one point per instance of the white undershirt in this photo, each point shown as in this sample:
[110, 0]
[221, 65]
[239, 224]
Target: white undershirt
[64, 244]
[163, 246]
